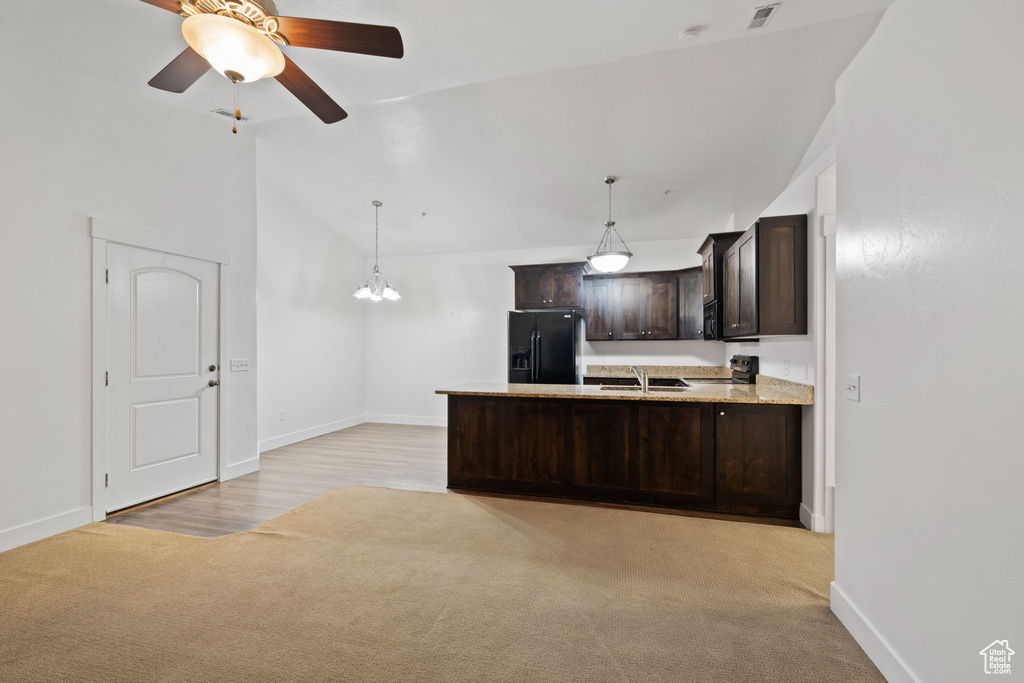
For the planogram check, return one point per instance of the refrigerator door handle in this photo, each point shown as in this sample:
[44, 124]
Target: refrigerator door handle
[536, 360]
[533, 356]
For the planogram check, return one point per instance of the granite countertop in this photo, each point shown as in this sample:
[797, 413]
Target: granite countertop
[767, 390]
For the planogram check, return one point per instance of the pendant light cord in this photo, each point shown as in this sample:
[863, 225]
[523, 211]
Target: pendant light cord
[376, 239]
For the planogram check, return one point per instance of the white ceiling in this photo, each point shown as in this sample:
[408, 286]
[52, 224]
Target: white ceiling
[124, 43]
[503, 117]
[519, 162]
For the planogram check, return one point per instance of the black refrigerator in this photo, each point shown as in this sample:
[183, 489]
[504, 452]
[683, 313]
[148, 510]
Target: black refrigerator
[542, 347]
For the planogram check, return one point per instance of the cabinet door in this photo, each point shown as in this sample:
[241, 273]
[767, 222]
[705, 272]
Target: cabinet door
[566, 286]
[601, 296]
[533, 289]
[677, 449]
[476, 446]
[540, 441]
[747, 290]
[731, 292]
[663, 317]
[708, 271]
[632, 317]
[691, 307]
[601, 445]
[782, 275]
[757, 450]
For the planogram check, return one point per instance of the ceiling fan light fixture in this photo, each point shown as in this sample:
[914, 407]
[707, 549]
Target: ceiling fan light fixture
[230, 45]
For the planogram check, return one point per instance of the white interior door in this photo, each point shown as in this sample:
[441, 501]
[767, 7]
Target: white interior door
[162, 341]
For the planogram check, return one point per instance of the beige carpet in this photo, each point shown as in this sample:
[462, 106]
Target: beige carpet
[367, 584]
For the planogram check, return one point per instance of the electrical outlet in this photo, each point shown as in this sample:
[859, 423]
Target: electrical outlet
[805, 370]
[239, 365]
[785, 367]
[282, 416]
[853, 387]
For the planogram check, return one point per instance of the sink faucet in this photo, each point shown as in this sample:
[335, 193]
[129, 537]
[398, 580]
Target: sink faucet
[641, 374]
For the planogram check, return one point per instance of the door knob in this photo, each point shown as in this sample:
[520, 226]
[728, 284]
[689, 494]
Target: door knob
[212, 368]
[214, 383]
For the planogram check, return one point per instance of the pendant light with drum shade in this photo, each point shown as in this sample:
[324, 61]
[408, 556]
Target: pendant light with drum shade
[607, 259]
[374, 288]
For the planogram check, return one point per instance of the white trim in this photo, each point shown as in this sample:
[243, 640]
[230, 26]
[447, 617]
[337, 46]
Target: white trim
[99, 370]
[408, 420]
[42, 528]
[810, 520]
[225, 381]
[240, 468]
[311, 433]
[870, 640]
[101, 228]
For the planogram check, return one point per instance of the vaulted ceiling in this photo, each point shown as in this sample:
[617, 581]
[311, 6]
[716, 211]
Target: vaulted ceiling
[503, 118]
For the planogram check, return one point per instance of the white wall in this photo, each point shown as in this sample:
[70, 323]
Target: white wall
[311, 330]
[70, 150]
[450, 326]
[930, 467]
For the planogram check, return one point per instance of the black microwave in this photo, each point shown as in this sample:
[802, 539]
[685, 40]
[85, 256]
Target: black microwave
[712, 321]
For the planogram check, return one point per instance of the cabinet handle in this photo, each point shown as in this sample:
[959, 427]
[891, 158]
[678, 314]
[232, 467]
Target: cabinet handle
[721, 413]
[609, 334]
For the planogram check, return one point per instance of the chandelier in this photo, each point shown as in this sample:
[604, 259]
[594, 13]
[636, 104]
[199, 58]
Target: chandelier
[375, 288]
[606, 259]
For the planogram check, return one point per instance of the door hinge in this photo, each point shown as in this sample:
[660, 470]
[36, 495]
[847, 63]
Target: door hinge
[106, 479]
[108, 277]
[106, 379]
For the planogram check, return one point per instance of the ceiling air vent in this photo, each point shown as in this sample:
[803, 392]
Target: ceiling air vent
[762, 15]
[229, 114]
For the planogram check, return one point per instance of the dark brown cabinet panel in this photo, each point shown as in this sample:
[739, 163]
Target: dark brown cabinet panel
[663, 314]
[691, 308]
[550, 285]
[540, 441]
[757, 452]
[711, 254]
[677, 450]
[602, 441]
[600, 300]
[476, 446]
[782, 275]
[633, 312]
[764, 277]
[736, 458]
[639, 306]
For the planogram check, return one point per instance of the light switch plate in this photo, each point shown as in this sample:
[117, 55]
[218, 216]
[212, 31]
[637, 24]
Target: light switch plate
[239, 365]
[852, 387]
[785, 367]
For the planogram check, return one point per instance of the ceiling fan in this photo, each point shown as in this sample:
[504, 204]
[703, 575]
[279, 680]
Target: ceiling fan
[240, 39]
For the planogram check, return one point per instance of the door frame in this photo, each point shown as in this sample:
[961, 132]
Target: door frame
[104, 232]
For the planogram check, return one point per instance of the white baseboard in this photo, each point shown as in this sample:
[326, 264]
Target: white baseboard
[51, 526]
[408, 420]
[810, 520]
[869, 639]
[312, 432]
[240, 468]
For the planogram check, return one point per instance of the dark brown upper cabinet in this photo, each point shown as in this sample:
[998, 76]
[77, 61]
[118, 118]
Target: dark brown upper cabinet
[691, 306]
[764, 279]
[632, 306]
[711, 253]
[549, 285]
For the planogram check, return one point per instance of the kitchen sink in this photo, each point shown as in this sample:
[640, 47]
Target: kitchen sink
[650, 390]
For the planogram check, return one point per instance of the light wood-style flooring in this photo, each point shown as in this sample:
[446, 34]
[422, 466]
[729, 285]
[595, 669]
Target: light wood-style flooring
[393, 456]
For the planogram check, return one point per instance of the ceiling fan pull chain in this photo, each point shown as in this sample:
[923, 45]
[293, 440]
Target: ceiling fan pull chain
[238, 110]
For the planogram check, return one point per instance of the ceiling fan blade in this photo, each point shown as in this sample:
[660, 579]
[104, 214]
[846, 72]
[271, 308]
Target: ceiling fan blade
[309, 93]
[182, 72]
[169, 5]
[364, 39]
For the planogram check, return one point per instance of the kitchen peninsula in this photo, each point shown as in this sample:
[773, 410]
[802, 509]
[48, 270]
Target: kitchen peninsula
[732, 448]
